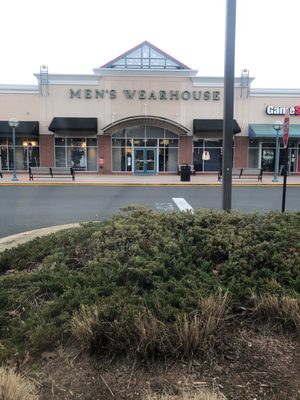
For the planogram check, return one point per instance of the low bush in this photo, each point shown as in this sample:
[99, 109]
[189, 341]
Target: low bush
[144, 271]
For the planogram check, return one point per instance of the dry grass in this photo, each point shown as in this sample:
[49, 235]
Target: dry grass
[284, 309]
[151, 335]
[15, 387]
[204, 394]
[198, 332]
[214, 311]
[144, 334]
[86, 325]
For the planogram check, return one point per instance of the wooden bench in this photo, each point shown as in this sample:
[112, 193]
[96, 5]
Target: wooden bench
[51, 172]
[252, 173]
[61, 172]
[236, 173]
[244, 173]
[184, 165]
[39, 172]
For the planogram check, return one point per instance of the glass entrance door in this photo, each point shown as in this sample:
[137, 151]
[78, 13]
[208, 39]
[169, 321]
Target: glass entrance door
[145, 161]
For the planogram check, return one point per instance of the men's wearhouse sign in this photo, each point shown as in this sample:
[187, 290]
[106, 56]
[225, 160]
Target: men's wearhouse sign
[141, 94]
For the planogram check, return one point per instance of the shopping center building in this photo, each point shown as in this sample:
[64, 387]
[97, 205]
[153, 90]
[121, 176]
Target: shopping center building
[143, 113]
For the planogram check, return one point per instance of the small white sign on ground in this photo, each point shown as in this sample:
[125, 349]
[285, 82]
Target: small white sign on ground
[182, 204]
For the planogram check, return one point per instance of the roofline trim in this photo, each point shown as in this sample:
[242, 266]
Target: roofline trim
[188, 73]
[26, 89]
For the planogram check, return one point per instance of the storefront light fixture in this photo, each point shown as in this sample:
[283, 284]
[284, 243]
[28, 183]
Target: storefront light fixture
[29, 144]
[277, 126]
[14, 123]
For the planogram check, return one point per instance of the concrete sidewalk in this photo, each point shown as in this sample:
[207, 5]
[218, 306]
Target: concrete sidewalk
[148, 180]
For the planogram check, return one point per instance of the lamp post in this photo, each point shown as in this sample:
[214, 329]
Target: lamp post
[228, 104]
[13, 123]
[277, 126]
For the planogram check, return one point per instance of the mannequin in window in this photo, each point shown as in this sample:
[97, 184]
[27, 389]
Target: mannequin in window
[82, 161]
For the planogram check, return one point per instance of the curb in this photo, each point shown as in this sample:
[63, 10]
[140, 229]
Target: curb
[11, 241]
[188, 184]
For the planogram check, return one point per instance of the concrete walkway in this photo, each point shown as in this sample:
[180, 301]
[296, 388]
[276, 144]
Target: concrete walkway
[136, 180]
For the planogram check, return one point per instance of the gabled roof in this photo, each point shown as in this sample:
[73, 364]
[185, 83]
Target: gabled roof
[145, 56]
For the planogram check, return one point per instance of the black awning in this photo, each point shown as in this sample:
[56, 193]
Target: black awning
[25, 128]
[213, 125]
[73, 124]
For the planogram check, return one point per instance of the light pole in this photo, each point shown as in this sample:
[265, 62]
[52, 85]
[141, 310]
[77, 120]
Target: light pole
[13, 123]
[277, 126]
[228, 104]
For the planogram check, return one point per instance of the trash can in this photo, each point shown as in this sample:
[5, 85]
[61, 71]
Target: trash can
[185, 173]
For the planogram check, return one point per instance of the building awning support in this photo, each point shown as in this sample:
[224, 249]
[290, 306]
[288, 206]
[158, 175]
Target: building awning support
[75, 124]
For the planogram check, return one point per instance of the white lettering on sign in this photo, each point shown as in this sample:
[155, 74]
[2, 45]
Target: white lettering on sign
[274, 110]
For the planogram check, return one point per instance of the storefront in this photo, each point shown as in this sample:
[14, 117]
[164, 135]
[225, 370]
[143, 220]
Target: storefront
[142, 113]
[75, 143]
[208, 144]
[262, 148]
[27, 145]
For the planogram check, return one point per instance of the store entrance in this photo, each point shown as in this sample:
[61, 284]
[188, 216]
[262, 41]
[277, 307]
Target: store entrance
[145, 161]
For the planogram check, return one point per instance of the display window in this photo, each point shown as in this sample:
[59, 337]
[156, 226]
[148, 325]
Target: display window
[79, 153]
[27, 153]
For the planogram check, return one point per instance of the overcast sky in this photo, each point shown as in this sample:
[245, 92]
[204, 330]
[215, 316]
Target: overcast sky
[75, 36]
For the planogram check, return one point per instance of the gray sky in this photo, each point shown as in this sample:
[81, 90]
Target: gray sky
[75, 36]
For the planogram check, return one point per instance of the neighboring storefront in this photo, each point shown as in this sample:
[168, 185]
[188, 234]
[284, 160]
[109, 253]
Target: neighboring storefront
[27, 145]
[142, 113]
[262, 148]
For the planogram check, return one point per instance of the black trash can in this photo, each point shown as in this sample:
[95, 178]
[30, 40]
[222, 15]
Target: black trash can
[185, 173]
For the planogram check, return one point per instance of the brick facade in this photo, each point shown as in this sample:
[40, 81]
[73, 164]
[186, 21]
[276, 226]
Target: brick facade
[241, 152]
[104, 154]
[186, 150]
[47, 158]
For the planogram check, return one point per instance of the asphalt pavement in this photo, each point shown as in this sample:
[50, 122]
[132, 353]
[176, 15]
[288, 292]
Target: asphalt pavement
[50, 204]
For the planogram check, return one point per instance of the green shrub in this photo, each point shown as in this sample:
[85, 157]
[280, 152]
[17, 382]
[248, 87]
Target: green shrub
[141, 260]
